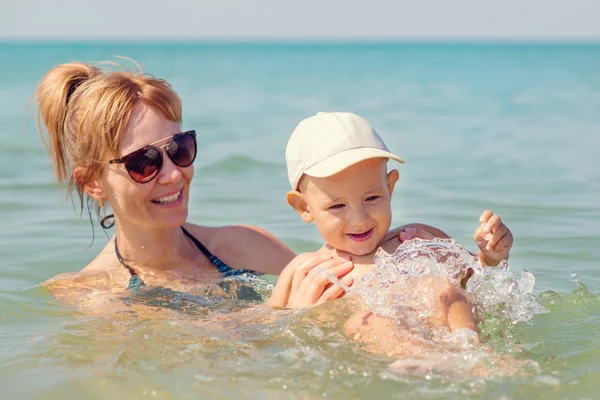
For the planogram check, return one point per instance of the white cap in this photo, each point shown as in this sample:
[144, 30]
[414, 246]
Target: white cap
[328, 143]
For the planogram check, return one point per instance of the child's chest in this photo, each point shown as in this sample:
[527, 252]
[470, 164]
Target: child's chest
[365, 264]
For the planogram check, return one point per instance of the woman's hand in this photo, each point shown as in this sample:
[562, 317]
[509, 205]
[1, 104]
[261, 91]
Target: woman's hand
[304, 281]
[413, 231]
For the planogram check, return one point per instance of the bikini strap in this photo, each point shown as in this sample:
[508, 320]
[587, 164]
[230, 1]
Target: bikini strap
[223, 268]
[131, 270]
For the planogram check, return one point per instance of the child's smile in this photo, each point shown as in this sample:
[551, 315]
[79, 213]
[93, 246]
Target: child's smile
[361, 237]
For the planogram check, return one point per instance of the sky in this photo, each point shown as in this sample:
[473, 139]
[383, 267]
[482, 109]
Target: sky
[251, 20]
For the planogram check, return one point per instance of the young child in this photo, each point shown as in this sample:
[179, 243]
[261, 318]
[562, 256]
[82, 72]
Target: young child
[337, 169]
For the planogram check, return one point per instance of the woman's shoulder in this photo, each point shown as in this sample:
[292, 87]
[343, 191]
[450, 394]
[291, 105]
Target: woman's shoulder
[244, 246]
[102, 273]
[217, 237]
[105, 261]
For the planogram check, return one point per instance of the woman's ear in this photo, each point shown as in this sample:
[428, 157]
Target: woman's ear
[392, 178]
[298, 203]
[91, 188]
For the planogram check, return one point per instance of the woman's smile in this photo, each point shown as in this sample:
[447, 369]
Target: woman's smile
[170, 200]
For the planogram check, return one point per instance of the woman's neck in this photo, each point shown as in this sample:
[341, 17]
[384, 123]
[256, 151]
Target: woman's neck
[154, 248]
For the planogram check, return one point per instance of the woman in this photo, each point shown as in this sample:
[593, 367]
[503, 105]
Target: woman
[116, 138]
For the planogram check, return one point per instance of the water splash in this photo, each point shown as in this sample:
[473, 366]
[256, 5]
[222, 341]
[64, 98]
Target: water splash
[404, 287]
[394, 283]
[499, 293]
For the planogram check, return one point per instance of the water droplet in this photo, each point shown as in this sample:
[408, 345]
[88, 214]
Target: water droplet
[574, 278]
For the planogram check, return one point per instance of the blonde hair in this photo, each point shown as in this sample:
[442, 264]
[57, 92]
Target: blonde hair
[85, 111]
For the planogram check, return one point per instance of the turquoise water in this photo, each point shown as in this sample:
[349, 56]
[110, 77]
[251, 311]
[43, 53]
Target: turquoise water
[507, 127]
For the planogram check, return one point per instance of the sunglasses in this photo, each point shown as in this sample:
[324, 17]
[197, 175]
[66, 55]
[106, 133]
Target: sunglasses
[144, 164]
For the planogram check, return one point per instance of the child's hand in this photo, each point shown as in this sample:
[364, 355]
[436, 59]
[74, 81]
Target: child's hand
[493, 238]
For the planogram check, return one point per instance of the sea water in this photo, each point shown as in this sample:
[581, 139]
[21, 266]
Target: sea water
[512, 128]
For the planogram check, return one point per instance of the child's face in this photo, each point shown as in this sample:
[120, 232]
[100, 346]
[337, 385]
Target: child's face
[352, 208]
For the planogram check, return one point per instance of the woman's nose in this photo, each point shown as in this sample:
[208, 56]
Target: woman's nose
[169, 171]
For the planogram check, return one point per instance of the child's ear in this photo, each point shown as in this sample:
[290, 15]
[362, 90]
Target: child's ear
[92, 188]
[392, 178]
[296, 200]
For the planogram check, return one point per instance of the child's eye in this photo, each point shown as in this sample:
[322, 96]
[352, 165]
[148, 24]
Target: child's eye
[336, 207]
[371, 198]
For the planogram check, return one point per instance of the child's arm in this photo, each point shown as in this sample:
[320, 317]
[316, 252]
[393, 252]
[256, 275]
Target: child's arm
[493, 238]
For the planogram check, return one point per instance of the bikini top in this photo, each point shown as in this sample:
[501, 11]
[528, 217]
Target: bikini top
[135, 281]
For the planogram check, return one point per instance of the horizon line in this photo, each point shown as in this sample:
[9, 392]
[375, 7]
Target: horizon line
[309, 41]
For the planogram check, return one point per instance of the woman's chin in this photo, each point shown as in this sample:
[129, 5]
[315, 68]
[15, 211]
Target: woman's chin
[173, 221]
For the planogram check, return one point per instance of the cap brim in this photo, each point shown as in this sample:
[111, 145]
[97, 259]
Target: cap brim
[340, 161]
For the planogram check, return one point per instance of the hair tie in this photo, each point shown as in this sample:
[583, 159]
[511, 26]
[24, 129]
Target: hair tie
[72, 90]
[108, 221]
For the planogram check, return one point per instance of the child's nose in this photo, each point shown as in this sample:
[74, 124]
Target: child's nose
[359, 217]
